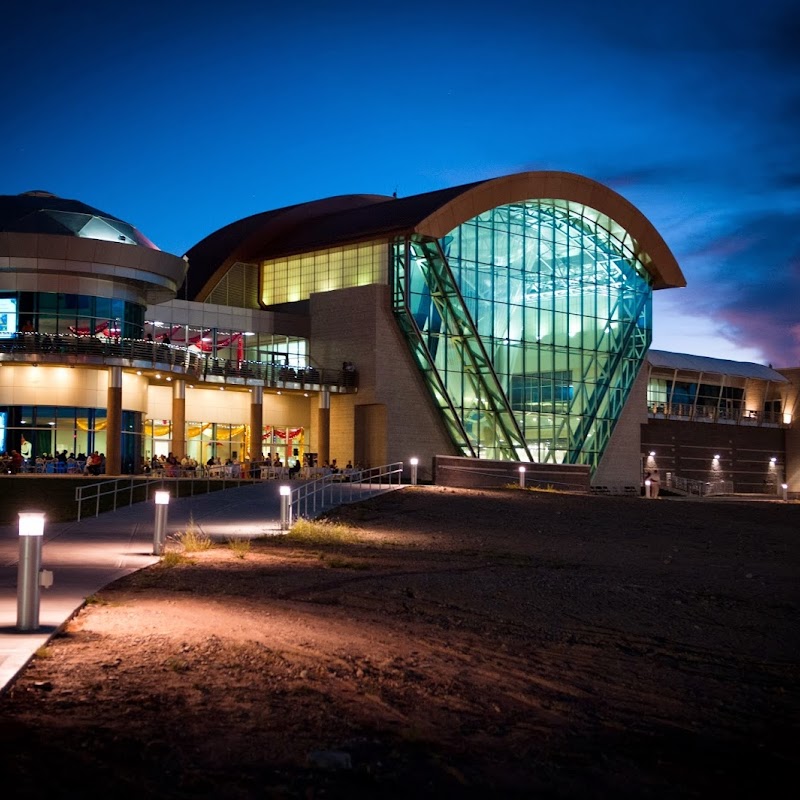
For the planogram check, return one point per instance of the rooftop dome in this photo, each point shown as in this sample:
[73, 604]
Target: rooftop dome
[39, 211]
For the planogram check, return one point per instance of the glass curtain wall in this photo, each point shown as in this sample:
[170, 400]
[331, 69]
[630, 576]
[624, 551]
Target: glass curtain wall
[57, 313]
[205, 440]
[530, 323]
[41, 432]
[232, 346]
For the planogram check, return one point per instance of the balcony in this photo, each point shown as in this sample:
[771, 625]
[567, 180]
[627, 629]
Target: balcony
[722, 415]
[93, 351]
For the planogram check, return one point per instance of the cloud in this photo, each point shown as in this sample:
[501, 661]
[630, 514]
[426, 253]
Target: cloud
[747, 279]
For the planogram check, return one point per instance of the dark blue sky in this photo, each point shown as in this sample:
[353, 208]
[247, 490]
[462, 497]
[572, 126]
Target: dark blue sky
[182, 117]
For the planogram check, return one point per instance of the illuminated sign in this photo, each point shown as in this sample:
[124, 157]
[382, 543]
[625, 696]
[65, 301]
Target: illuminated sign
[8, 317]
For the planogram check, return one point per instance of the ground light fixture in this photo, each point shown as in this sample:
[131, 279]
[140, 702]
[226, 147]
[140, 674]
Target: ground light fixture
[522, 477]
[785, 490]
[647, 487]
[159, 529]
[286, 507]
[31, 533]
[414, 464]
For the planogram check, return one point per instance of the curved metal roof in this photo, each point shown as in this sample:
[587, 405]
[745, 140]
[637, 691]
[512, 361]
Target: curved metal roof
[352, 218]
[42, 212]
[715, 366]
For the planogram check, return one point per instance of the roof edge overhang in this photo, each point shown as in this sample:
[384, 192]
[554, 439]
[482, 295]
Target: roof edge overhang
[481, 197]
[256, 231]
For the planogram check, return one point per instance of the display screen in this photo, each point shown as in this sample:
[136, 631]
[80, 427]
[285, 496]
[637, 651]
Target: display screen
[8, 317]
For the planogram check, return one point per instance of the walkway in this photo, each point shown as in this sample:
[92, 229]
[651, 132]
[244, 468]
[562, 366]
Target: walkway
[88, 555]
[85, 556]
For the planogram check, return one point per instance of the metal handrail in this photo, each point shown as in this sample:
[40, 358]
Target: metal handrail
[311, 498]
[712, 413]
[73, 348]
[691, 486]
[119, 486]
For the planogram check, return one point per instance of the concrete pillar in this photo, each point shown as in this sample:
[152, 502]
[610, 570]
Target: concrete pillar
[324, 427]
[256, 422]
[179, 418]
[114, 422]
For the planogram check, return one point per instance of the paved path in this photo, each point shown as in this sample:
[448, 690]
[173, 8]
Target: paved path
[88, 555]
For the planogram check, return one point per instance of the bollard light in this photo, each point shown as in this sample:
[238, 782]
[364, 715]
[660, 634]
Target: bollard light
[414, 462]
[286, 507]
[31, 531]
[647, 488]
[785, 490]
[159, 529]
[522, 477]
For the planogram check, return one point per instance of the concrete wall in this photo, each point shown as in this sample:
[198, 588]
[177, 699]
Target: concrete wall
[620, 469]
[473, 473]
[358, 325]
[687, 449]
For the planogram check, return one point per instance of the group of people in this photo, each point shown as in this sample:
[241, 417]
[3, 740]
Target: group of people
[170, 465]
[19, 461]
[13, 462]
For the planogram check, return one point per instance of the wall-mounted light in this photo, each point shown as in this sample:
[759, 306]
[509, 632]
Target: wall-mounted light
[652, 452]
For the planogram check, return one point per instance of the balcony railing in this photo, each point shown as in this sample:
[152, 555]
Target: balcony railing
[709, 413]
[139, 353]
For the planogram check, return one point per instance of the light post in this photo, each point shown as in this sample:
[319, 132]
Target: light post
[286, 507]
[522, 477]
[31, 531]
[159, 535]
[414, 462]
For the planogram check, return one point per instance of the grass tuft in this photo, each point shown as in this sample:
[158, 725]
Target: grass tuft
[193, 540]
[307, 531]
[172, 558]
[239, 547]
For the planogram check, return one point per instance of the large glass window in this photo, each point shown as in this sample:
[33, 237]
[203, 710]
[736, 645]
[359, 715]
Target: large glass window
[58, 313]
[530, 322]
[41, 432]
[294, 278]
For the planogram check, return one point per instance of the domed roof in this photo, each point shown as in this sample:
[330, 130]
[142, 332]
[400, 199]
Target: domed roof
[42, 212]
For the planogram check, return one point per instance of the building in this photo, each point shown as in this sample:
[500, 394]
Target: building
[506, 321]
[722, 424]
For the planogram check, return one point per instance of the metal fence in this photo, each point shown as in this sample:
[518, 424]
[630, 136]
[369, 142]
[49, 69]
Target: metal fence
[75, 349]
[690, 486]
[311, 498]
[127, 491]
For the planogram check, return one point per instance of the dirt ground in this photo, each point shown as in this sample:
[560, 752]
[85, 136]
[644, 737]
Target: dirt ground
[456, 643]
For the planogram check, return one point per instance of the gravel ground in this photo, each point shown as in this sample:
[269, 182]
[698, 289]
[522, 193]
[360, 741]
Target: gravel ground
[456, 642]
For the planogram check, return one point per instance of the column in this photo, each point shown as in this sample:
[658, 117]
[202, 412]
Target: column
[256, 423]
[324, 427]
[179, 418]
[114, 422]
